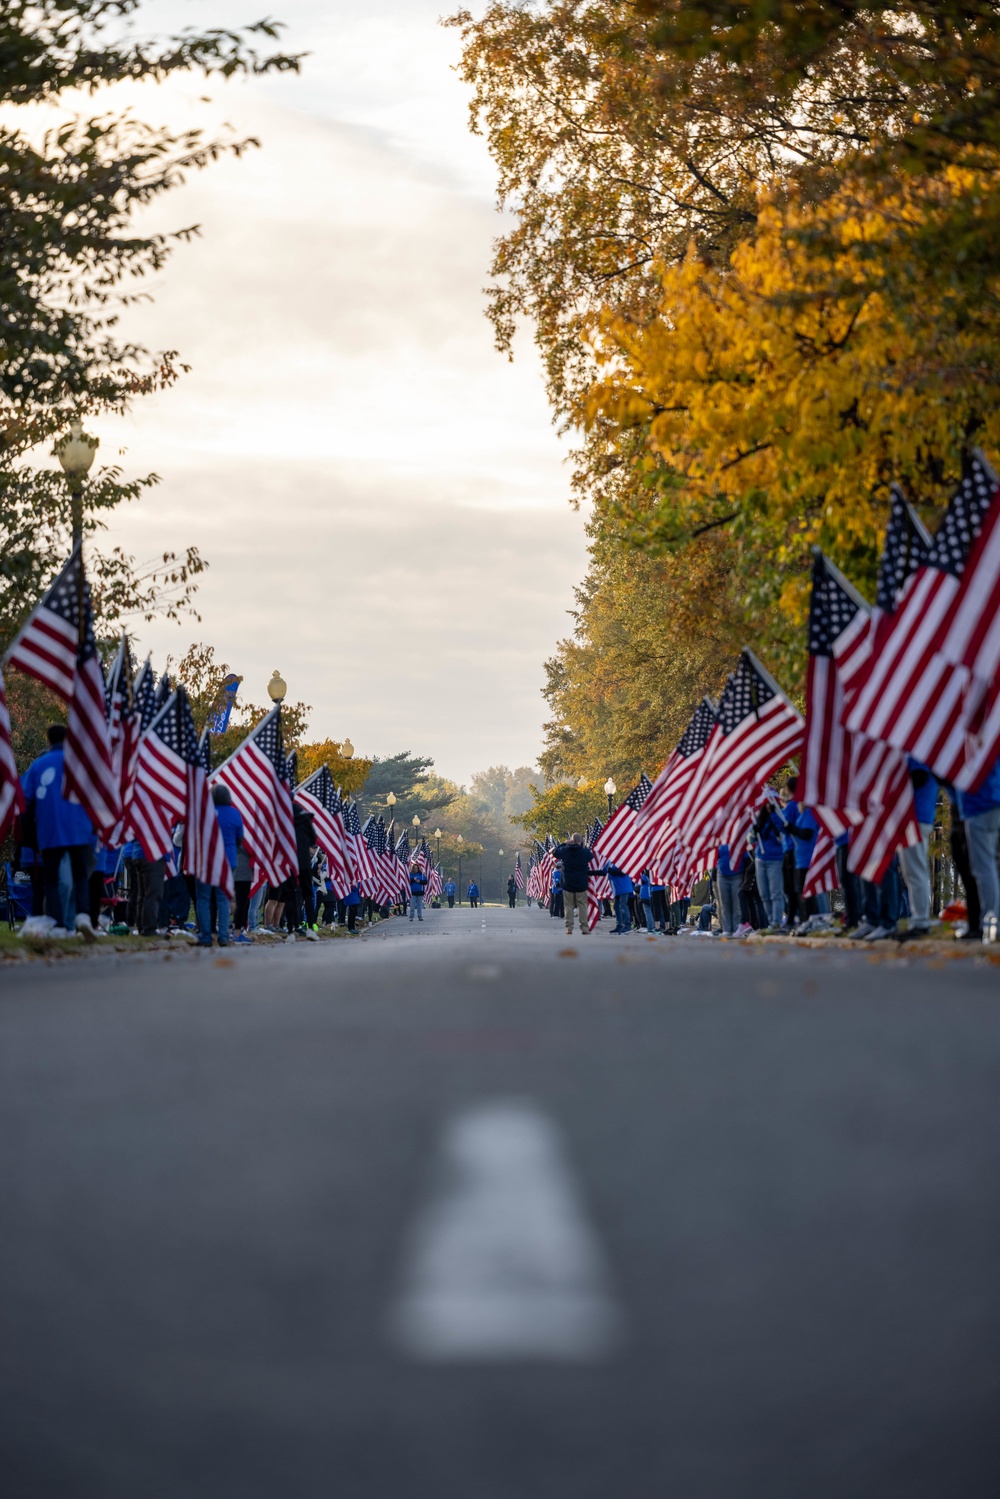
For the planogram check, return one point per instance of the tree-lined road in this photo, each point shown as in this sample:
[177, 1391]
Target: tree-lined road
[442, 1212]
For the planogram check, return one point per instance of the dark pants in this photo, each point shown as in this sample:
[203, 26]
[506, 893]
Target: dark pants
[451, 903]
[473, 901]
[150, 875]
[882, 902]
[98, 890]
[658, 900]
[512, 897]
[807, 903]
[556, 903]
[80, 855]
[960, 854]
[793, 899]
[623, 917]
[851, 885]
[242, 913]
[352, 918]
[679, 910]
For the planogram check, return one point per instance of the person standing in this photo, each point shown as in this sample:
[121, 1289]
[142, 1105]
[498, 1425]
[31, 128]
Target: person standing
[769, 826]
[62, 829]
[793, 908]
[730, 878]
[621, 889]
[646, 897]
[556, 894]
[512, 892]
[473, 894]
[658, 897]
[914, 862]
[418, 884]
[231, 827]
[450, 890]
[981, 815]
[576, 859]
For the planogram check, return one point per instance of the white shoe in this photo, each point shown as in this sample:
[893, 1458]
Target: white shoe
[38, 926]
[290, 937]
[861, 932]
[879, 934]
[989, 925]
[743, 930]
[311, 936]
[60, 933]
[86, 930]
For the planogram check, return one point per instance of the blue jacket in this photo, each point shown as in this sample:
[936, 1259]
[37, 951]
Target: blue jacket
[645, 889]
[770, 831]
[60, 824]
[473, 891]
[576, 861]
[970, 803]
[231, 824]
[418, 882]
[450, 887]
[724, 865]
[353, 897]
[803, 830]
[925, 790]
[620, 883]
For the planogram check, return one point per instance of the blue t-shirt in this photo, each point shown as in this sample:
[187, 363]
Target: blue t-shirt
[61, 824]
[723, 862]
[231, 824]
[620, 883]
[971, 803]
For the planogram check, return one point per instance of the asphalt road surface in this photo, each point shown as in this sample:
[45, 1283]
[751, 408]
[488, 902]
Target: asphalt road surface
[443, 1214]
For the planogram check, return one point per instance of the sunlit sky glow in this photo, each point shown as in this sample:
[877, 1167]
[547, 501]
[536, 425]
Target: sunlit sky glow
[382, 496]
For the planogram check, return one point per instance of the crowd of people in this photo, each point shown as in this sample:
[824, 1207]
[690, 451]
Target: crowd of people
[761, 888]
[62, 883]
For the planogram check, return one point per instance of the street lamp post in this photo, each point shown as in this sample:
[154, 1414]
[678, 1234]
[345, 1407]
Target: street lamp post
[437, 835]
[76, 454]
[500, 853]
[277, 688]
[459, 840]
[609, 790]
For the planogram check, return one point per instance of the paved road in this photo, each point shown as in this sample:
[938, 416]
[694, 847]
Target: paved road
[247, 1211]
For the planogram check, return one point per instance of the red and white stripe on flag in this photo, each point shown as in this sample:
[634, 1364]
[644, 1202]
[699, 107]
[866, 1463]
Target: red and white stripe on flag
[204, 847]
[263, 800]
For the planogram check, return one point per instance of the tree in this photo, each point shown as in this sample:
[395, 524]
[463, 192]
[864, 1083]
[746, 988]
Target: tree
[202, 677]
[563, 809]
[416, 793]
[782, 395]
[72, 261]
[349, 775]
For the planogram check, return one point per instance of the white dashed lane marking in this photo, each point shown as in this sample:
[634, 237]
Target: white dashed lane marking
[503, 1263]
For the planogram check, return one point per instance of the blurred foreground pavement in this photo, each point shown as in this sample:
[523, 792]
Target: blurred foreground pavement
[443, 1214]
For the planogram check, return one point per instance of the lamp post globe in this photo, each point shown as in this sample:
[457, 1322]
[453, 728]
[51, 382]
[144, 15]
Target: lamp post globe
[76, 452]
[609, 790]
[582, 784]
[277, 687]
[347, 750]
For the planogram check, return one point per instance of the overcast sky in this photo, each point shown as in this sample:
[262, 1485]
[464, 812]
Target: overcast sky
[381, 495]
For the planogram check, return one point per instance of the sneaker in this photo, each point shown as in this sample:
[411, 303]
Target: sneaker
[861, 932]
[200, 942]
[971, 934]
[912, 934]
[290, 937]
[311, 935]
[59, 932]
[38, 926]
[990, 925]
[244, 938]
[879, 934]
[85, 927]
[743, 930]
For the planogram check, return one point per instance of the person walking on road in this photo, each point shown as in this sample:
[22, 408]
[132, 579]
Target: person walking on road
[450, 890]
[418, 884]
[473, 894]
[576, 859]
[512, 892]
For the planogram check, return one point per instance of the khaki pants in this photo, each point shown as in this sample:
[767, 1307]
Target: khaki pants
[575, 900]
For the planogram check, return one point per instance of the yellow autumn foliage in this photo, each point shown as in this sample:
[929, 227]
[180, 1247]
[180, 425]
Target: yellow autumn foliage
[780, 395]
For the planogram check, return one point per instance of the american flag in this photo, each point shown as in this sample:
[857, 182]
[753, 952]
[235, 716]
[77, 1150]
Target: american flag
[657, 812]
[383, 885]
[11, 795]
[917, 691]
[822, 873]
[518, 873]
[825, 767]
[255, 774]
[757, 730]
[57, 647]
[159, 798]
[864, 781]
[906, 547]
[624, 842]
[533, 889]
[361, 860]
[124, 729]
[204, 847]
[320, 797]
[547, 867]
